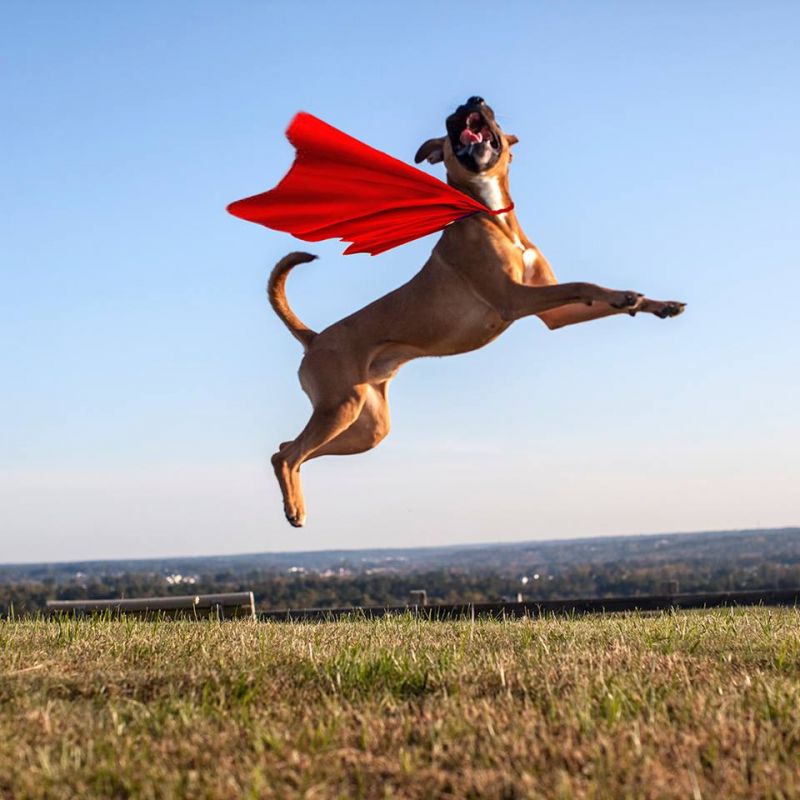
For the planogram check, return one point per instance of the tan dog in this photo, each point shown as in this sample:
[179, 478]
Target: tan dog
[483, 274]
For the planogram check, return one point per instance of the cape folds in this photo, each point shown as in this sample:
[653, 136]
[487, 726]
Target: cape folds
[339, 187]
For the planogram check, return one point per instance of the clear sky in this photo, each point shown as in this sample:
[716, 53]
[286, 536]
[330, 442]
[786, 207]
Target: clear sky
[145, 381]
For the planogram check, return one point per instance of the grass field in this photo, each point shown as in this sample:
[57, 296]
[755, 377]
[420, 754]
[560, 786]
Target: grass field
[683, 705]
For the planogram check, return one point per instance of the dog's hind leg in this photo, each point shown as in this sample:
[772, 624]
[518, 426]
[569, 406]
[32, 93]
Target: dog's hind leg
[368, 431]
[328, 420]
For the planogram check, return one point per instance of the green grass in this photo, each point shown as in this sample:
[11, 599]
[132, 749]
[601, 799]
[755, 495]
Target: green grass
[683, 705]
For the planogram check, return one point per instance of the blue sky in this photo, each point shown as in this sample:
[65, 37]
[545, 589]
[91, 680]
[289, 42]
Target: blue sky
[145, 382]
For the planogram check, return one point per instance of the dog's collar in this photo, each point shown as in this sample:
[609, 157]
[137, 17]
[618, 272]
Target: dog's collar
[339, 187]
[500, 211]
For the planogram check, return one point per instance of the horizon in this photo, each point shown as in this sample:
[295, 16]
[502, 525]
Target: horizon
[450, 546]
[146, 382]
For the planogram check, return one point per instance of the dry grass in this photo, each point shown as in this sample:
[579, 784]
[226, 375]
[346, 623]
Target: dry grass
[671, 706]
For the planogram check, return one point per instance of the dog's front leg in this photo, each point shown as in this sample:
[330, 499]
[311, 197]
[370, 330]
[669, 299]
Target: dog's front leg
[578, 312]
[521, 300]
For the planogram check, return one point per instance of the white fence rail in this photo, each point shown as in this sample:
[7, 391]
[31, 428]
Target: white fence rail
[228, 605]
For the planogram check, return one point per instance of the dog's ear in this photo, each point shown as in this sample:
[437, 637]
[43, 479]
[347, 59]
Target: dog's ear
[432, 150]
[511, 140]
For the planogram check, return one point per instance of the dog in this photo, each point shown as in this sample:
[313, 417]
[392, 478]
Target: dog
[482, 275]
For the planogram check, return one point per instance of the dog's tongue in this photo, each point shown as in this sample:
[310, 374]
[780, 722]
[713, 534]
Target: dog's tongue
[468, 136]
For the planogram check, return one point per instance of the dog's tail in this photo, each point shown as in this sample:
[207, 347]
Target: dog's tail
[276, 291]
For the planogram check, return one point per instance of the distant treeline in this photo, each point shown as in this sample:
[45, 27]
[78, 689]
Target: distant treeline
[279, 591]
[741, 549]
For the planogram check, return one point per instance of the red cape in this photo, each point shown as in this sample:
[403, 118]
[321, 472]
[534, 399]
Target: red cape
[340, 187]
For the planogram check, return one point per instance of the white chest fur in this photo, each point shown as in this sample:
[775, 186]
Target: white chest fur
[529, 261]
[528, 258]
[490, 193]
[488, 189]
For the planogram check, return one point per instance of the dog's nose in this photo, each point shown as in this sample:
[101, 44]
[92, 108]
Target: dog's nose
[475, 101]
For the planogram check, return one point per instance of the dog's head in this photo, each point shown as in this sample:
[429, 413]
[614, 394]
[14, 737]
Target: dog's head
[474, 145]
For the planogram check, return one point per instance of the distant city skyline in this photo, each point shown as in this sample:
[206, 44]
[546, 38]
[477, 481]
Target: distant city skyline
[145, 381]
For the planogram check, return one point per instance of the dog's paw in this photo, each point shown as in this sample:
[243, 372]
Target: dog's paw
[630, 301]
[670, 309]
[663, 309]
[296, 517]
